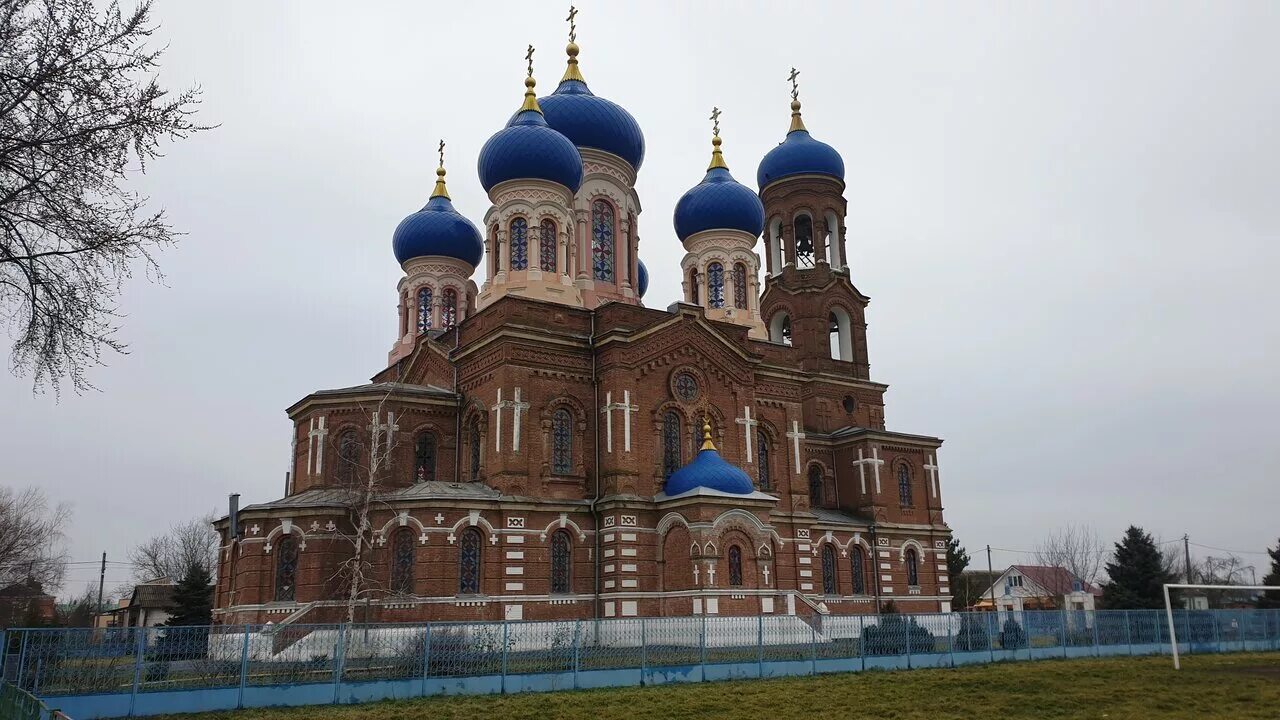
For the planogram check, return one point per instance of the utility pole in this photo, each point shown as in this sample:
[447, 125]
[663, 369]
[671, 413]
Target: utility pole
[992, 573]
[1186, 550]
[102, 576]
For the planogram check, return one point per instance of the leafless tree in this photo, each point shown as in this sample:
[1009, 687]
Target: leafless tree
[80, 108]
[31, 538]
[1076, 548]
[187, 544]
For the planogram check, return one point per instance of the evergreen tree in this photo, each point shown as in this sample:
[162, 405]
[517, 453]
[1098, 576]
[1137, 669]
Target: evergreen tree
[1137, 573]
[1270, 600]
[192, 599]
[957, 559]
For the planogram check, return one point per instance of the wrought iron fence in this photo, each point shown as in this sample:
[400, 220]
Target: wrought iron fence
[136, 662]
[18, 704]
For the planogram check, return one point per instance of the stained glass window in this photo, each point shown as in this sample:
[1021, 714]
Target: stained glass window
[474, 440]
[804, 241]
[904, 484]
[762, 456]
[402, 562]
[348, 457]
[735, 566]
[547, 246]
[740, 286]
[715, 285]
[424, 458]
[424, 308]
[913, 568]
[449, 308]
[469, 546]
[829, 570]
[519, 244]
[671, 460]
[286, 569]
[686, 387]
[815, 486]
[561, 554]
[562, 442]
[859, 584]
[602, 240]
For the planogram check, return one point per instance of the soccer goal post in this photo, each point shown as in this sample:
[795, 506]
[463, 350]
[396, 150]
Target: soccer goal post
[1168, 608]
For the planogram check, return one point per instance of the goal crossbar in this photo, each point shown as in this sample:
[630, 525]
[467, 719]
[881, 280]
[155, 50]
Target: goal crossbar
[1168, 607]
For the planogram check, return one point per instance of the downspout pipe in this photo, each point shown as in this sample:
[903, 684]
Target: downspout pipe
[595, 470]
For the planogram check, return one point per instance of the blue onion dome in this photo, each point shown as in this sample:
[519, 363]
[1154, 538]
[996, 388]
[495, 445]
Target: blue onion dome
[799, 154]
[709, 470]
[591, 121]
[438, 229]
[642, 282]
[527, 148]
[718, 202]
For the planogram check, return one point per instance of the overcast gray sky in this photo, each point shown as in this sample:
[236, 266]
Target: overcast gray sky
[1065, 215]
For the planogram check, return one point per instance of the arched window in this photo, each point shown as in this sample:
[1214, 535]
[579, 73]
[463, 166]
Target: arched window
[519, 244]
[804, 241]
[547, 246]
[469, 546]
[773, 245]
[913, 568]
[424, 308]
[904, 484]
[671, 457]
[602, 240]
[402, 561]
[348, 457]
[829, 586]
[493, 250]
[562, 442]
[841, 335]
[474, 440]
[780, 328]
[449, 308]
[815, 486]
[286, 569]
[740, 286]
[715, 285]
[762, 456]
[561, 557]
[424, 458]
[735, 566]
[859, 583]
[693, 286]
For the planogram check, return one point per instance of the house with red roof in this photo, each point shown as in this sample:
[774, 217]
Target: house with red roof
[1038, 587]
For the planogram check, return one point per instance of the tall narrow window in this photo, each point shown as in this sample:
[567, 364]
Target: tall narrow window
[424, 458]
[904, 484]
[740, 286]
[562, 442]
[815, 486]
[402, 562]
[469, 546]
[715, 285]
[602, 240]
[449, 308]
[348, 457]
[519, 244]
[913, 568]
[804, 241]
[671, 459]
[693, 287]
[735, 566]
[286, 569]
[547, 246]
[494, 251]
[859, 584]
[474, 440]
[561, 556]
[762, 456]
[829, 586]
[424, 308]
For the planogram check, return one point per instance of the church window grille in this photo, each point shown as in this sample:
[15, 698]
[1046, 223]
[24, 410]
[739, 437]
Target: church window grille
[286, 569]
[519, 244]
[815, 486]
[913, 568]
[561, 556]
[671, 459]
[686, 387]
[469, 562]
[424, 309]
[740, 286]
[474, 440]
[402, 562]
[562, 442]
[735, 566]
[449, 308]
[348, 457]
[904, 485]
[602, 240]
[715, 285]
[804, 241]
[424, 458]
[859, 581]
[762, 455]
[547, 246]
[829, 570]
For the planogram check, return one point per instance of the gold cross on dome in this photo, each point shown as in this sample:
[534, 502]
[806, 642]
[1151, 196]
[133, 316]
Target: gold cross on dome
[715, 121]
[442, 153]
[795, 90]
[529, 56]
[573, 24]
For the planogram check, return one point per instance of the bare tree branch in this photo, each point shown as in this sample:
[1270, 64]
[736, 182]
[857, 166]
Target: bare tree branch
[31, 538]
[1076, 548]
[193, 542]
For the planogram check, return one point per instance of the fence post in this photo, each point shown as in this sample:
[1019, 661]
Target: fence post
[702, 650]
[862, 640]
[1217, 635]
[426, 657]
[813, 650]
[577, 635]
[506, 630]
[991, 634]
[760, 645]
[1128, 632]
[244, 667]
[339, 657]
[1097, 644]
[644, 651]
[1064, 632]
[951, 639]
[140, 651]
[20, 680]
[4, 651]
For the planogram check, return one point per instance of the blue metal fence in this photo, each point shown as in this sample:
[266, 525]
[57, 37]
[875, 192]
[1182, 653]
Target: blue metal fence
[133, 671]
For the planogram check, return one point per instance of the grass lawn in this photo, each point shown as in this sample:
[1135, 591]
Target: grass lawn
[1208, 686]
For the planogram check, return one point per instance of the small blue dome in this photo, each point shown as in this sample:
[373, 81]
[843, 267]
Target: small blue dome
[719, 203]
[593, 122]
[438, 229]
[642, 282]
[527, 148]
[711, 471]
[799, 154]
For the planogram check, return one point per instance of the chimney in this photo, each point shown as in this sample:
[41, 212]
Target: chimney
[233, 513]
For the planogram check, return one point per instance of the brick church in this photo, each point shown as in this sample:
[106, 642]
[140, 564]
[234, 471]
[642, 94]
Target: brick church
[544, 446]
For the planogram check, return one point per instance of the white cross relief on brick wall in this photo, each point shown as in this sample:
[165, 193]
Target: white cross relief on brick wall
[748, 429]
